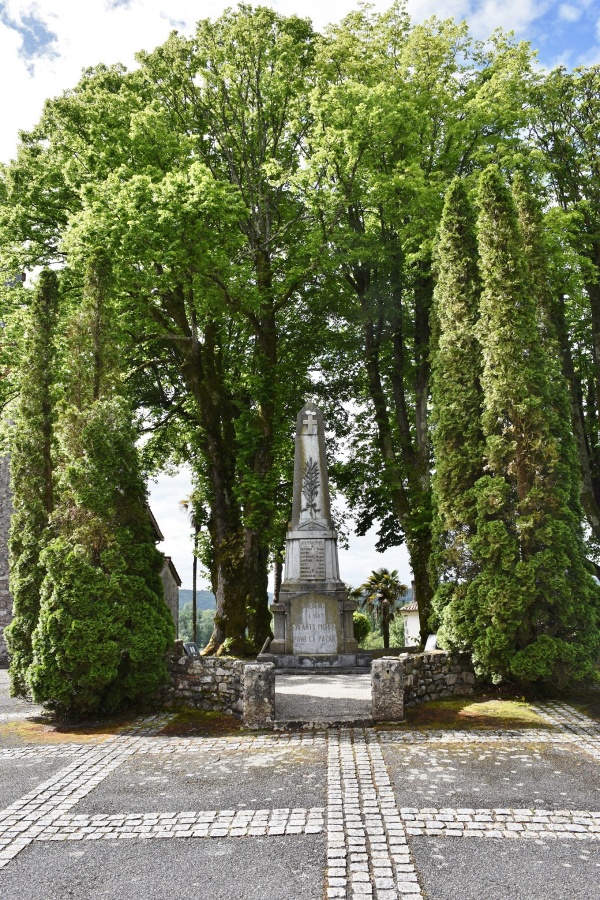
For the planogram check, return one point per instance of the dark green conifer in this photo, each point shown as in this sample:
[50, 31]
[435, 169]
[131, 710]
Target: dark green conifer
[457, 405]
[104, 626]
[532, 612]
[31, 475]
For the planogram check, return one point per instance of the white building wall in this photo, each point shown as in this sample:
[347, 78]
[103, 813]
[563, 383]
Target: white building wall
[412, 629]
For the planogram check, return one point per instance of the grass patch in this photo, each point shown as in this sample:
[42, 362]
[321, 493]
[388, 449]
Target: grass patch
[475, 714]
[43, 731]
[189, 722]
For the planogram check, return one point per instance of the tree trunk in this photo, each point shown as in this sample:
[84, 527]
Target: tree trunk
[259, 616]
[194, 586]
[385, 625]
[420, 551]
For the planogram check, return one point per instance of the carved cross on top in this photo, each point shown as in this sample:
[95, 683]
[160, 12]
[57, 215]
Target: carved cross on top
[310, 422]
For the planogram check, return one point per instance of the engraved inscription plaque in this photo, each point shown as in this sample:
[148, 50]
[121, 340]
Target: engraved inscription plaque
[312, 560]
[314, 632]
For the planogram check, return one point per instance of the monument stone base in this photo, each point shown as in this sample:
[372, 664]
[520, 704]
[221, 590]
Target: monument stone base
[313, 624]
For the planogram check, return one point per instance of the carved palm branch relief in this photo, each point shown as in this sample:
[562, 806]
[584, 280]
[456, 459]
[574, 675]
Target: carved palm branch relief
[310, 487]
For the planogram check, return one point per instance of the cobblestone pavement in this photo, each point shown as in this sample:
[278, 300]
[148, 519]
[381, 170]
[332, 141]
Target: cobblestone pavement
[392, 802]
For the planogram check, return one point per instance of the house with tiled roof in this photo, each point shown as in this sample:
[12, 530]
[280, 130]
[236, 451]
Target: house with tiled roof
[412, 627]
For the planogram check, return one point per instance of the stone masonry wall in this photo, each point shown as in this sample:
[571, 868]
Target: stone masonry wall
[211, 683]
[431, 676]
[5, 514]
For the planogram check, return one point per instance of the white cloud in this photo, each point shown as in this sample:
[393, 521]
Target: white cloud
[511, 15]
[569, 13]
[44, 45]
[357, 563]
[591, 57]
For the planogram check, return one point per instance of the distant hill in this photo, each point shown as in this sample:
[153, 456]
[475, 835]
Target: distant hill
[204, 599]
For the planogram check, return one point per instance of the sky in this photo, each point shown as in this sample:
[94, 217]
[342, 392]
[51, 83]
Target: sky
[45, 44]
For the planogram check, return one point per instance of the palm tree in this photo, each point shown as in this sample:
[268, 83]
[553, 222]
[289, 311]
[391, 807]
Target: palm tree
[383, 590]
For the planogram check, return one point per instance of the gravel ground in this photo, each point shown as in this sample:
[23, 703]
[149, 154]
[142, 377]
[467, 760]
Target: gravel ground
[381, 837]
[224, 869]
[489, 775]
[489, 869]
[195, 781]
[12, 707]
[323, 698]
[19, 776]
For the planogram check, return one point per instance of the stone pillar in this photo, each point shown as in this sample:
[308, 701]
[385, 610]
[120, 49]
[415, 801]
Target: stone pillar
[277, 645]
[387, 689]
[259, 695]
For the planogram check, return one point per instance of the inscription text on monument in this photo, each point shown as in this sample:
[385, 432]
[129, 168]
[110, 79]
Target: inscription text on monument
[314, 634]
[312, 560]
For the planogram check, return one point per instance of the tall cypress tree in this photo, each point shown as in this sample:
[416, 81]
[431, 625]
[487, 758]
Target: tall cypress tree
[31, 475]
[533, 610]
[103, 627]
[457, 401]
[536, 248]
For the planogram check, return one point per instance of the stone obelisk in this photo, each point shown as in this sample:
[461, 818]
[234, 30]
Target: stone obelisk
[313, 616]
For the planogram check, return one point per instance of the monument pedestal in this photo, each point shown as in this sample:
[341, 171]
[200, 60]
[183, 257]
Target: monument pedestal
[313, 623]
[313, 617]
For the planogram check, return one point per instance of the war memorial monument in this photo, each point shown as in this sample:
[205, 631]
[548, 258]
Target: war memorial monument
[312, 620]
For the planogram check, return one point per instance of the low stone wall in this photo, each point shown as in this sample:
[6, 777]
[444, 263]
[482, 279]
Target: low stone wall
[211, 683]
[431, 676]
[247, 690]
[397, 682]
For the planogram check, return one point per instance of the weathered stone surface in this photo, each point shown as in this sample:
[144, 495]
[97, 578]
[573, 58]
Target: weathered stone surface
[429, 676]
[219, 684]
[315, 624]
[207, 683]
[259, 695]
[303, 625]
[6, 606]
[171, 585]
[387, 689]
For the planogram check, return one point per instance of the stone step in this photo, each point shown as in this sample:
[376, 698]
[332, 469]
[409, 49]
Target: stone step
[322, 722]
[341, 670]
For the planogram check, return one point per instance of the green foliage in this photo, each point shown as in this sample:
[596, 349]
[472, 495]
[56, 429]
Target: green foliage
[268, 199]
[31, 475]
[457, 400]
[103, 627]
[204, 619]
[531, 612]
[362, 626]
[566, 134]
[397, 636]
[382, 593]
[400, 111]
